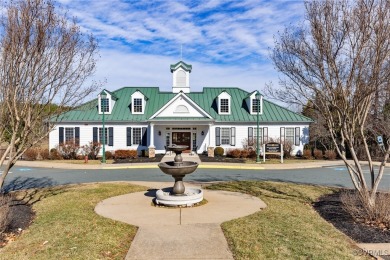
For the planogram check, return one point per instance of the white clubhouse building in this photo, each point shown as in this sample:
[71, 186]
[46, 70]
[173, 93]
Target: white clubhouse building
[144, 118]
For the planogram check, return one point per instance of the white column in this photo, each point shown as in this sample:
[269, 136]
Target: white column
[151, 135]
[209, 134]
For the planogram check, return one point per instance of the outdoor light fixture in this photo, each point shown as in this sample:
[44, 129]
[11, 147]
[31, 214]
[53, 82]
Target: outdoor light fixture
[159, 132]
[257, 135]
[202, 133]
[103, 95]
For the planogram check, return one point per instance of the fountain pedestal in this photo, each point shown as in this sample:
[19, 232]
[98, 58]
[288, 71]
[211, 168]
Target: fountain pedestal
[178, 169]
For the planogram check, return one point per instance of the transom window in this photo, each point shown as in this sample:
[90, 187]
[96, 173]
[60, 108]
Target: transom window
[225, 135]
[290, 135]
[254, 105]
[224, 106]
[137, 105]
[69, 134]
[104, 105]
[137, 137]
[101, 135]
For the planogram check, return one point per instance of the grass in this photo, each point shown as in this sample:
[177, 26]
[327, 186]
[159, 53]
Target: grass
[66, 226]
[289, 228]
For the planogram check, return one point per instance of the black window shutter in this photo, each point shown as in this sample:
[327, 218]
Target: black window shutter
[217, 136]
[250, 136]
[144, 136]
[282, 135]
[95, 133]
[265, 135]
[110, 136]
[77, 135]
[297, 136]
[128, 130]
[233, 136]
[61, 135]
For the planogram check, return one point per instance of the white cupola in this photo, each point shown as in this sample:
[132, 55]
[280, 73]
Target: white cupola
[181, 77]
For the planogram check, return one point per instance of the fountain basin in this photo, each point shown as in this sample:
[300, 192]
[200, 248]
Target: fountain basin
[178, 169]
[190, 197]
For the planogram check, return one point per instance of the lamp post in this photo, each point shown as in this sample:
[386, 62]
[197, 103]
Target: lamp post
[103, 96]
[257, 135]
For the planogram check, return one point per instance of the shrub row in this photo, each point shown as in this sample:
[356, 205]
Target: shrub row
[318, 154]
[241, 153]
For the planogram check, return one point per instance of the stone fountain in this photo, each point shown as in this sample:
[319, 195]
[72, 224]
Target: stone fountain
[178, 169]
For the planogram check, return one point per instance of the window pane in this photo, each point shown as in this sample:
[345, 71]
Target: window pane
[168, 139]
[69, 134]
[290, 135]
[137, 135]
[225, 135]
[137, 105]
[254, 105]
[260, 135]
[224, 105]
[101, 135]
[104, 105]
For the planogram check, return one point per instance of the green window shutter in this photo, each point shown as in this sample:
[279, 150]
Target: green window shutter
[61, 135]
[110, 136]
[217, 136]
[128, 134]
[233, 136]
[95, 134]
[297, 136]
[250, 136]
[144, 141]
[77, 135]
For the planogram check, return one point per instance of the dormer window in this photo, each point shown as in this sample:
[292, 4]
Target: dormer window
[138, 101]
[104, 105]
[106, 102]
[224, 103]
[138, 105]
[255, 103]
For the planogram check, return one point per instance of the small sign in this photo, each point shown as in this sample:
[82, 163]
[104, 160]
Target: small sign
[380, 140]
[272, 148]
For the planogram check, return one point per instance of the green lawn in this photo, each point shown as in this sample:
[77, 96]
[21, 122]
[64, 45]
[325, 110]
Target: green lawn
[289, 228]
[66, 226]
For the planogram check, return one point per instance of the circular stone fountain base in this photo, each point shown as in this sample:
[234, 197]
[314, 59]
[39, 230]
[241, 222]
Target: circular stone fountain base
[190, 197]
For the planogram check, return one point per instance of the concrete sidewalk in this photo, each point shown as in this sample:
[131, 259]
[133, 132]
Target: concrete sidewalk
[174, 233]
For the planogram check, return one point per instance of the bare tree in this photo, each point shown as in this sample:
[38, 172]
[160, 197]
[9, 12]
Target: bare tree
[44, 60]
[339, 60]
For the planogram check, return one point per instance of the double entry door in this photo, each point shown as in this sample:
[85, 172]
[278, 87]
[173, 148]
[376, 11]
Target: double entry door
[182, 138]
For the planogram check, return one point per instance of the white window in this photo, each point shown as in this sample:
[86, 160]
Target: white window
[105, 135]
[104, 105]
[137, 137]
[137, 105]
[69, 134]
[225, 136]
[290, 135]
[260, 135]
[224, 105]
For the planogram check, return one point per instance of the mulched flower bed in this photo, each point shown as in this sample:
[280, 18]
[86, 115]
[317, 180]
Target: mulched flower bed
[331, 209]
[21, 216]
[205, 158]
[140, 159]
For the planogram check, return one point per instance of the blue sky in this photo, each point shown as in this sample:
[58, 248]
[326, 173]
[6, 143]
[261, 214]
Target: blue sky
[227, 42]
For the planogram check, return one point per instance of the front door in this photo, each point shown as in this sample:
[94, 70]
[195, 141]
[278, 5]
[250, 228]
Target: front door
[182, 138]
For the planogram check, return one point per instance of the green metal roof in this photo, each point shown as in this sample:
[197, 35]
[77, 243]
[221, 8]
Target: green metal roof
[207, 100]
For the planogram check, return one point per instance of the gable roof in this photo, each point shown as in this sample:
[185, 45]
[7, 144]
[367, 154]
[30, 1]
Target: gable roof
[272, 112]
